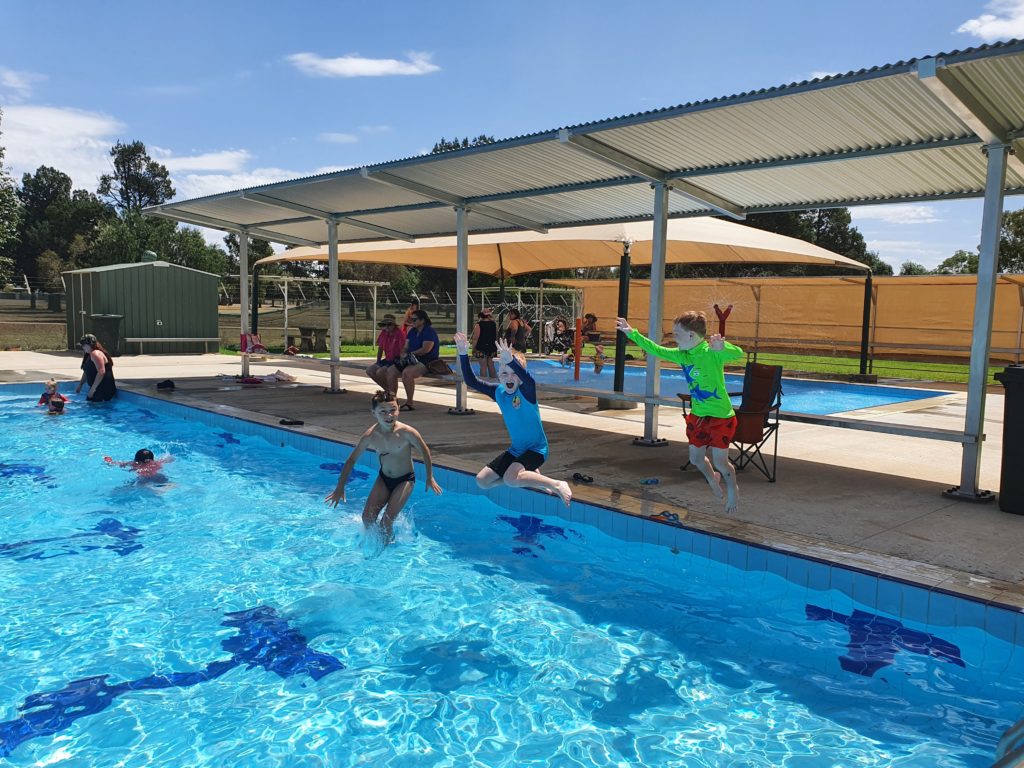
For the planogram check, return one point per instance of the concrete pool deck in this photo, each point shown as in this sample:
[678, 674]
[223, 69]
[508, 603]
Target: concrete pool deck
[862, 499]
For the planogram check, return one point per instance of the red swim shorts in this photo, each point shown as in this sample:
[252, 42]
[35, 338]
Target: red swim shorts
[702, 431]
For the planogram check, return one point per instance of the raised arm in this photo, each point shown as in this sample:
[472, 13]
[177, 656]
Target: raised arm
[462, 347]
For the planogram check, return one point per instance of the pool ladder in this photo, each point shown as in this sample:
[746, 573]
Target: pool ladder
[1010, 753]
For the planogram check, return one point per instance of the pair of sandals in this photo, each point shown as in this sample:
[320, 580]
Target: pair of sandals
[406, 407]
[579, 477]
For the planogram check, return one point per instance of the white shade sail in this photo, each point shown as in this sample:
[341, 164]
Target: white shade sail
[690, 241]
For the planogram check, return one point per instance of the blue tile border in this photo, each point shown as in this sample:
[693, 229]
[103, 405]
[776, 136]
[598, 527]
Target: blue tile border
[899, 599]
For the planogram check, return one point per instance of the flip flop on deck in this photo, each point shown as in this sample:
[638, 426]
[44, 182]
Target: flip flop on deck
[406, 407]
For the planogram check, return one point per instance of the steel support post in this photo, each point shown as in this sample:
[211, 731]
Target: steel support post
[243, 290]
[981, 341]
[619, 378]
[658, 246]
[334, 299]
[461, 302]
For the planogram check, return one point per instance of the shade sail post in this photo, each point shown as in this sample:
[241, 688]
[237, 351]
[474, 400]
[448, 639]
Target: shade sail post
[620, 339]
[243, 290]
[981, 339]
[334, 300]
[659, 242]
[865, 326]
[461, 302]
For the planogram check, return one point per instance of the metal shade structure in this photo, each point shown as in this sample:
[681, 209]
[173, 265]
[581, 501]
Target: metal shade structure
[942, 127]
[688, 241]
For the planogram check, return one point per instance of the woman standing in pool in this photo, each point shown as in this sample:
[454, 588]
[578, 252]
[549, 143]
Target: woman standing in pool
[485, 347]
[97, 370]
[516, 396]
[518, 330]
[393, 441]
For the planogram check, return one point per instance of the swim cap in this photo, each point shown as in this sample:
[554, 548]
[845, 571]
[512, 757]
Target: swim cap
[143, 455]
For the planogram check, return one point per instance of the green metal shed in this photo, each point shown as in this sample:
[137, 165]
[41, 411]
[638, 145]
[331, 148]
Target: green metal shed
[157, 300]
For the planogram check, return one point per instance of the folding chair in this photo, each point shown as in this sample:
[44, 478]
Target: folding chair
[757, 418]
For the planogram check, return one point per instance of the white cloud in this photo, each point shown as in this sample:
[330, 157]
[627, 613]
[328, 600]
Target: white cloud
[354, 65]
[903, 213]
[374, 129]
[339, 138]
[15, 85]
[74, 141]
[226, 160]
[1005, 21]
[192, 185]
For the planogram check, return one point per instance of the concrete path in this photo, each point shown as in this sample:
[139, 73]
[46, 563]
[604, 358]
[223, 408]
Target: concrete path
[859, 498]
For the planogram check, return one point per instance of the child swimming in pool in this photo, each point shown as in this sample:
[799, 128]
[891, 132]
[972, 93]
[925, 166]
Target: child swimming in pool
[516, 396]
[144, 465]
[711, 422]
[52, 399]
[393, 441]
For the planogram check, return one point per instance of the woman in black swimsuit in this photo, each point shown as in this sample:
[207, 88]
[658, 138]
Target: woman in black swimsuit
[485, 343]
[97, 370]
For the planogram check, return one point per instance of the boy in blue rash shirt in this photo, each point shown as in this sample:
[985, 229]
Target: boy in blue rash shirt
[516, 396]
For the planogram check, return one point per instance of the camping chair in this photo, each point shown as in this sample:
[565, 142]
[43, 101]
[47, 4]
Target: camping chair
[757, 418]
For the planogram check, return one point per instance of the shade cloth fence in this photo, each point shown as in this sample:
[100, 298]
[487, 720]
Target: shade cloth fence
[927, 318]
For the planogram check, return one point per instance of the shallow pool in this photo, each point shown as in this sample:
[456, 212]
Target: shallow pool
[227, 617]
[798, 395]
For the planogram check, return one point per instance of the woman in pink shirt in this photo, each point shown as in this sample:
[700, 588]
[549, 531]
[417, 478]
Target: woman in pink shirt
[390, 343]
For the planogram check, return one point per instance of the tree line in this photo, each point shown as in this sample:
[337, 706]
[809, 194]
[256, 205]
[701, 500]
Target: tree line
[48, 227]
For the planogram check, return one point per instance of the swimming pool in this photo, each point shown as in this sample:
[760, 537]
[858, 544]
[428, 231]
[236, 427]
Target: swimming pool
[230, 618]
[798, 395]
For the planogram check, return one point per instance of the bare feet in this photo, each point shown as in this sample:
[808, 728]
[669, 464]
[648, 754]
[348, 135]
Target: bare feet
[563, 491]
[731, 503]
[716, 485]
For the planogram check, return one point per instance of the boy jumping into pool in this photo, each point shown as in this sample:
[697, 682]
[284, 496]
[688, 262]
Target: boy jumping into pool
[711, 422]
[516, 396]
[393, 441]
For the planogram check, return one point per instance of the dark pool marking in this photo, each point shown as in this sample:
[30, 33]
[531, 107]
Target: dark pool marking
[148, 414]
[449, 665]
[12, 470]
[229, 438]
[43, 549]
[264, 640]
[356, 473]
[875, 640]
[530, 530]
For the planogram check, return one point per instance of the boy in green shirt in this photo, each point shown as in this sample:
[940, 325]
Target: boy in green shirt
[711, 422]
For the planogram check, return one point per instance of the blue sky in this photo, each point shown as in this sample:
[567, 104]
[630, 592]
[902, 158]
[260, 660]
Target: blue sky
[231, 94]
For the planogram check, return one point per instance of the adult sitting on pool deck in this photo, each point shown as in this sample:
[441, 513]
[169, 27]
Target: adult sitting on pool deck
[422, 347]
[389, 349]
[97, 370]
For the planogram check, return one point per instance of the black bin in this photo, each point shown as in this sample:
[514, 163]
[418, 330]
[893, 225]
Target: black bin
[108, 330]
[1011, 478]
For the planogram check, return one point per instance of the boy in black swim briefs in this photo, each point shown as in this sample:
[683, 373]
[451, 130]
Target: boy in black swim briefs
[393, 441]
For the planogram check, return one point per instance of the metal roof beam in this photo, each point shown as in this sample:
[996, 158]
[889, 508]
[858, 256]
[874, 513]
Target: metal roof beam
[447, 197]
[936, 77]
[637, 167]
[199, 220]
[261, 197]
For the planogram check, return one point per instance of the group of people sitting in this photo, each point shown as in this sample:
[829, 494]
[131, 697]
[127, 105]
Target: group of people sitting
[406, 352]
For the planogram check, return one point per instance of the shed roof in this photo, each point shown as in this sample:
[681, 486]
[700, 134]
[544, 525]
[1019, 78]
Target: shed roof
[115, 267]
[908, 131]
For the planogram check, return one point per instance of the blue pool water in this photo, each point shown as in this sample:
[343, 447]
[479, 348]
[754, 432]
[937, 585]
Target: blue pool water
[798, 395]
[228, 617]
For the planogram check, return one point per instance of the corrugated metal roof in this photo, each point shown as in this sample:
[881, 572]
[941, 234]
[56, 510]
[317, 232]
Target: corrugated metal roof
[115, 267]
[874, 135]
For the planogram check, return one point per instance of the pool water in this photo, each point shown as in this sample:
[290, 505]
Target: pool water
[798, 395]
[228, 617]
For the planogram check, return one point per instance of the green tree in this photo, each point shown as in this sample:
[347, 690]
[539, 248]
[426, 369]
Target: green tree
[913, 268]
[1011, 242]
[10, 218]
[960, 263]
[123, 240]
[53, 216]
[449, 145]
[137, 181]
[48, 268]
